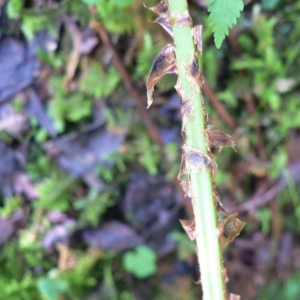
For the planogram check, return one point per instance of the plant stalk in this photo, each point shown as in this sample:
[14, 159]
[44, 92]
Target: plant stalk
[208, 246]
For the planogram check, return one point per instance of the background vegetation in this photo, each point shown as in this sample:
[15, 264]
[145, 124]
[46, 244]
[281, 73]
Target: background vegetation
[89, 205]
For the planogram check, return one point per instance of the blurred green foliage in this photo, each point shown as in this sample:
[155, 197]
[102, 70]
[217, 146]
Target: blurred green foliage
[141, 262]
[266, 66]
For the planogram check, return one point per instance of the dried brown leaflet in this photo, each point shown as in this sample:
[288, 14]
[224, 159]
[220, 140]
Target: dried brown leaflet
[163, 64]
[189, 227]
[216, 139]
[229, 229]
[163, 12]
[197, 34]
[194, 160]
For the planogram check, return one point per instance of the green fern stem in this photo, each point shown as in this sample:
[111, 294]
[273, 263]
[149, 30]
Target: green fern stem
[208, 246]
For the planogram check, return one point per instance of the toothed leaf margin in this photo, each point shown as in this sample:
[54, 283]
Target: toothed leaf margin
[223, 15]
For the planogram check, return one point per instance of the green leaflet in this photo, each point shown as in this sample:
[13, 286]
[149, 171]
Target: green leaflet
[223, 15]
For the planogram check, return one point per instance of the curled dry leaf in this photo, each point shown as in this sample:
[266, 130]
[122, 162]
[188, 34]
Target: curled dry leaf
[189, 227]
[229, 229]
[197, 34]
[217, 139]
[164, 63]
[165, 23]
[187, 188]
[194, 160]
[162, 9]
[163, 12]
[217, 200]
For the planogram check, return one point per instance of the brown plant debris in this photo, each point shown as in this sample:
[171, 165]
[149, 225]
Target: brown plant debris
[164, 63]
[229, 229]
[187, 188]
[162, 9]
[182, 19]
[163, 12]
[187, 108]
[217, 139]
[217, 200]
[194, 160]
[197, 34]
[189, 227]
[164, 19]
[164, 22]
[193, 74]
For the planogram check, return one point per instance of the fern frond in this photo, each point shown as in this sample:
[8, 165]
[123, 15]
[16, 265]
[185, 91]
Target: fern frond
[223, 15]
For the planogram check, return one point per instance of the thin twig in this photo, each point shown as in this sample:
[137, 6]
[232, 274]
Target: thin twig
[260, 143]
[218, 106]
[257, 201]
[150, 126]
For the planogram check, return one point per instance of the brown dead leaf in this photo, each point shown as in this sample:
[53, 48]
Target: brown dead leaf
[229, 229]
[194, 160]
[217, 200]
[217, 139]
[187, 188]
[181, 19]
[189, 227]
[162, 9]
[164, 63]
[193, 74]
[197, 34]
[165, 23]
[164, 19]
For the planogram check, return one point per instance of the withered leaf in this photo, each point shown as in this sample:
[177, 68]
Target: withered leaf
[182, 19]
[189, 227]
[193, 74]
[187, 112]
[194, 160]
[164, 19]
[162, 9]
[187, 188]
[165, 23]
[229, 229]
[217, 200]
[217, 139]
[164, 63]
[197, 34]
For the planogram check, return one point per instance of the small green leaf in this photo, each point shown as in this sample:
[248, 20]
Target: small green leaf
[141, 262]
[223, 15]
[50, 289]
